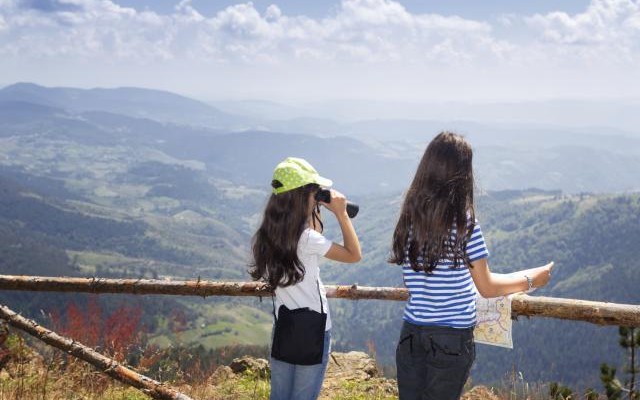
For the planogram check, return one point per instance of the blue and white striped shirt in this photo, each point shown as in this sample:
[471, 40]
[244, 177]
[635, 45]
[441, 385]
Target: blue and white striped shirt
[446, 296]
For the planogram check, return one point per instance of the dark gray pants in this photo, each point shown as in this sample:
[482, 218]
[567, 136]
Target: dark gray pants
[433, 362]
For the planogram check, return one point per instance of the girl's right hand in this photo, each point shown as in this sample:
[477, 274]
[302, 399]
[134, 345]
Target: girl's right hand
[542, 275]
[338, 204]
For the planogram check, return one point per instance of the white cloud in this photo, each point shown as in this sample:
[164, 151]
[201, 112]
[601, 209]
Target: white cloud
[273, 13]
[186, 9]
[361, 31]
[364, 47]
[607, 30]
[602, 21]
[507, 20]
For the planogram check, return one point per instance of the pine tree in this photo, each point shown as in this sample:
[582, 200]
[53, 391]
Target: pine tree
[612, 386]
[630, 341]
[559, 392]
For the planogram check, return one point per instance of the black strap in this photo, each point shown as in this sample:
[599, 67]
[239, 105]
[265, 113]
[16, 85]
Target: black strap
[320, 296]
[273, 294]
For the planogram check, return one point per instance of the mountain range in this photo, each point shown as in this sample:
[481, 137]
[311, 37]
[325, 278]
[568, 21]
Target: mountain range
[244, 148]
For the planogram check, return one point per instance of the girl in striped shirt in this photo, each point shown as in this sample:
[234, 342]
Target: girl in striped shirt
[440, 245]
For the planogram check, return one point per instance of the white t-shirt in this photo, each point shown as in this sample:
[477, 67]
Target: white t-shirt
[311, 246]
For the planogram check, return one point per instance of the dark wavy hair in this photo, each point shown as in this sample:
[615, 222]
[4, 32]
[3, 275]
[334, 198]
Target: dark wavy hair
[439, 199]
[275, 244]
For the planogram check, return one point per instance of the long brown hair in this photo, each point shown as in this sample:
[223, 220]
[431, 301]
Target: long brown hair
[275, 244]
[439, 199]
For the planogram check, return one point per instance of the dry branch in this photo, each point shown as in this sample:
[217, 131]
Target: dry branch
[600, 313]
[105, 364]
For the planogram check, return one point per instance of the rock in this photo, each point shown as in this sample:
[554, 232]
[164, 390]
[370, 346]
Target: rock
[352, 365]
[259, 366]
[480, 393]
[220, 375]
[355, 374]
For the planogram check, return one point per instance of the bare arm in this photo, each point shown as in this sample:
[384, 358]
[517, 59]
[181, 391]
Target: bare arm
[490, 284]
[350, 251]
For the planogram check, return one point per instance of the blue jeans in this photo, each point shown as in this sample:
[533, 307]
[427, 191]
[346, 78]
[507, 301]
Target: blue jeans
[433, 362]
[299, 382]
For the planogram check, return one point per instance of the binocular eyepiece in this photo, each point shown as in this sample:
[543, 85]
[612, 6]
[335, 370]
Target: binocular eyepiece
[324, 195]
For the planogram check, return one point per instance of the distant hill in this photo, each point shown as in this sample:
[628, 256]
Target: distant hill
[135, 102]
[249, 157]
[178, 235]
[245, 158]
[17, 111]
[243, 149]
[56, 223]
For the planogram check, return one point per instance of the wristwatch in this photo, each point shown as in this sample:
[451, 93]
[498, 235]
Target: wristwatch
[529, 282]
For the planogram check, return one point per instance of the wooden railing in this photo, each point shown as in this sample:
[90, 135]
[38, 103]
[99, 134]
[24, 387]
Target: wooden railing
[601, 313]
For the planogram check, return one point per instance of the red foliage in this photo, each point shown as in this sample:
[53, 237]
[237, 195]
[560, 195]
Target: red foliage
[94, 319]
[178, 321]
[77, 323]
[116, 333]
[120, 331]
[151, 355]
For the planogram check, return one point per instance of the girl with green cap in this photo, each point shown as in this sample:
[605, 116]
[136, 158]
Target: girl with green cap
[286, 250]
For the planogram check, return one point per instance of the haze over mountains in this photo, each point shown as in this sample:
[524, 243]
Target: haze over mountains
[508, 156]
[141, 183]
[619, 114]
[140, 103]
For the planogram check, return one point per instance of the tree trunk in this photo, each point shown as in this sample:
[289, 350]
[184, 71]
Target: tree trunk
[632, 370]
[104, 364]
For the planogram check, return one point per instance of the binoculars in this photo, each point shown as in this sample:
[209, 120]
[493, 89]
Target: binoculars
[324, 195]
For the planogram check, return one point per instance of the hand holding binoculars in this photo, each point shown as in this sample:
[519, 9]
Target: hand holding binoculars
[324, 195]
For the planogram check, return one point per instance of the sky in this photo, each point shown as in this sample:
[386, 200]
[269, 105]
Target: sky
[300, 51]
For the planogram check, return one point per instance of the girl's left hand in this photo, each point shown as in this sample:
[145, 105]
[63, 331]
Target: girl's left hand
[542, 275]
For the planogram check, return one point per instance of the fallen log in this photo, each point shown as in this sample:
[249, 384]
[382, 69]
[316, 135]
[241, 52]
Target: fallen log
[103, 363]
[600, 313]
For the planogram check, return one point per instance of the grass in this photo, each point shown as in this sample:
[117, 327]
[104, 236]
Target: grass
[354, 390]
[91, 258]
[53, 375]
[218, 326]
[247, 386]
[50, 374]
[68, 385]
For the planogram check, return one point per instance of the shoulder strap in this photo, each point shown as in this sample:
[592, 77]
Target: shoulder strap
[273, 294]
[320, 295]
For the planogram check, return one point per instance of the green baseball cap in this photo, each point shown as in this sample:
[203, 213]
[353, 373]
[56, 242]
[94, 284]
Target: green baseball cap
[296, 172]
